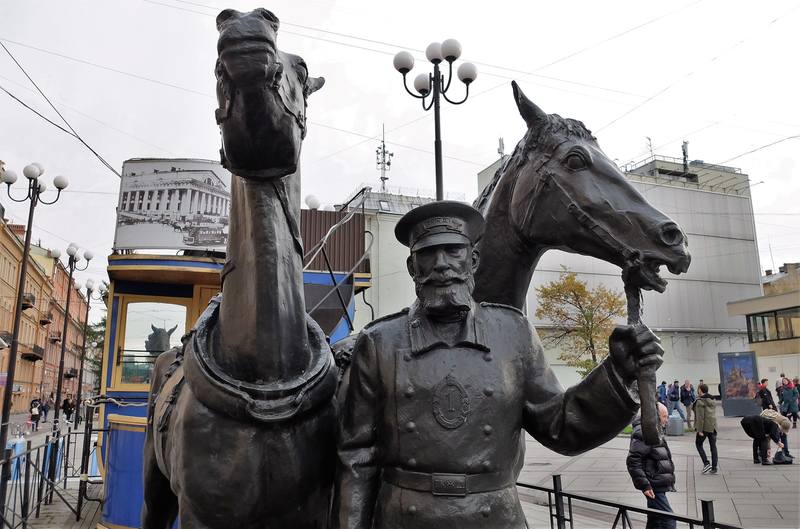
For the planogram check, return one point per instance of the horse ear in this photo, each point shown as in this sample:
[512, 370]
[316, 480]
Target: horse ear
[313, 84]
[169, 332]
[534, 116]
[153, 327]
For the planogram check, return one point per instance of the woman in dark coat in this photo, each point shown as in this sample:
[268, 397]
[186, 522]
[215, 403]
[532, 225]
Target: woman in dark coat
[67, 407]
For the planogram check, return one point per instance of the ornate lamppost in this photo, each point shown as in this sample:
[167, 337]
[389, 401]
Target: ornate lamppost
[74, 257]
[36, 187]
[79, 393]
[434, 84]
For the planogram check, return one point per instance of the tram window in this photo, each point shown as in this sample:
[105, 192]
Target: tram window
[150, 329]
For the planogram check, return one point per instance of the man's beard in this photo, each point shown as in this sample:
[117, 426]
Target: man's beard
[438, 300]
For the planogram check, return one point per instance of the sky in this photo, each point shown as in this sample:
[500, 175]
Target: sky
[135, 79]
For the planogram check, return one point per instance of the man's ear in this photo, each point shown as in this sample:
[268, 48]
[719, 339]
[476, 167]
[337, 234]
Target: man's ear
[410, 265]
[476, 258]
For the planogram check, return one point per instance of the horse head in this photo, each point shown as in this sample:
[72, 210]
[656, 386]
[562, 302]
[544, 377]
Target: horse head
[158, 341]
[262, 94]
[568, 195]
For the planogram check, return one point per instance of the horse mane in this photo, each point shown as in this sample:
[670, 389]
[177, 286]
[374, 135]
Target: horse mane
[556, 128]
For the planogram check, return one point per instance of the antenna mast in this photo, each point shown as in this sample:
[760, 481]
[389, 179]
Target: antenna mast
[383, 159]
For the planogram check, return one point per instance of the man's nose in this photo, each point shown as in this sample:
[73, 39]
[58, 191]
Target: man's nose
[440, 263]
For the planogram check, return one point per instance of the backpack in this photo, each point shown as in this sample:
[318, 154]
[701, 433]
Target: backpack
[35, 410]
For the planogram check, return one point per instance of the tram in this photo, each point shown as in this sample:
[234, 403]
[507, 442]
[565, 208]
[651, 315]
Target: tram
[154, 300]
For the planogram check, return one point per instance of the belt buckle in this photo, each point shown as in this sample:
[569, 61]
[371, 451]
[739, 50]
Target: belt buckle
[449, 484]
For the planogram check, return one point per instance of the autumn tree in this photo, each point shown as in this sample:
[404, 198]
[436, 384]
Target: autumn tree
[583, 319]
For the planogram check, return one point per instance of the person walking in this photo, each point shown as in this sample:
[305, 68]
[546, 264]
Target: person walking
[35, 414]
[705, 422]
[761, 430]
[673, 399]
[779, 386]
[688, 397]
[652, 470]
[662, 393]
[67, 408]
[764, 396]
[46, 407]
[789, 397]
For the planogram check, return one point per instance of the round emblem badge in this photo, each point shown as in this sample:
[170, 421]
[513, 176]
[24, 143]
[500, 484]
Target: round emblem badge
[450, 403]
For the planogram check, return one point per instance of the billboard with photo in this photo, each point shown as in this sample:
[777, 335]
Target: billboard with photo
[173, 204]
[738, 374]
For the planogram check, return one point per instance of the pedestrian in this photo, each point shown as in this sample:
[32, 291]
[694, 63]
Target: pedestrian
[662, 393]
[35, 411]
[779, 419]
[788, 401]
[47, 406]
[764, 396]
[688, 396]
[652, 470]
[761, 430]
[705, 422]
[673, 399]
[779, 386]
[67, 408]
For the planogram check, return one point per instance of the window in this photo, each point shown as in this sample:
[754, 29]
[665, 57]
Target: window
[774, 325]
[384, 205]
[151, 328]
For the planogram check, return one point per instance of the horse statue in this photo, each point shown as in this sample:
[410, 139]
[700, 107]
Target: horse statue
[157, 341]
[558, 190]
[241, 418]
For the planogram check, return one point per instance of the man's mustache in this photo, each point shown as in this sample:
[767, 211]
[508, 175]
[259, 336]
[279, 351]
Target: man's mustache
[439, 279]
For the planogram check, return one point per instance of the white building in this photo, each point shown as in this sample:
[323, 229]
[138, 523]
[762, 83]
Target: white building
[711, 203]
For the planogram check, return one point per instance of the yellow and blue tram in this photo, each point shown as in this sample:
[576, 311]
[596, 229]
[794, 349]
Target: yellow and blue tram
[153, 301]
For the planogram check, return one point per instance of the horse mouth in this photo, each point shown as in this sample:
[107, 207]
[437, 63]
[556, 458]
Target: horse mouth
[244, 45]
[646, 274]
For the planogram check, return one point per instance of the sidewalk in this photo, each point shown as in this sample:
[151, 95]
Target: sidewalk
[752, 496]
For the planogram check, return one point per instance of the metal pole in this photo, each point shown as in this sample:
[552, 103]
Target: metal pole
[79, 393]
[707, 507]
[84, 479]
[8, 391]
[561, 521]
[60, 382]
[437, 142]
[26, 487]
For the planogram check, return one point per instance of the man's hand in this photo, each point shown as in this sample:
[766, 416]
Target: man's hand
[701, 434]
[633, 347]
[649, 493]
[780, 445]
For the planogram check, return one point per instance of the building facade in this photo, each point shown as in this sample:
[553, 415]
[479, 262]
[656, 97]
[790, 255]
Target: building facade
[711, 203]
[773, 322]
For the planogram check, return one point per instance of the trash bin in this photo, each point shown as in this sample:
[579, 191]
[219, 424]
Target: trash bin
[675, 425]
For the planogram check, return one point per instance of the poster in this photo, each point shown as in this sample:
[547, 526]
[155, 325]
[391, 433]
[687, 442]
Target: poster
[739, 380]
[173, 204]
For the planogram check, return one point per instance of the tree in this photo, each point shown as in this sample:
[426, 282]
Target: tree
[95, 333]
[583, 319]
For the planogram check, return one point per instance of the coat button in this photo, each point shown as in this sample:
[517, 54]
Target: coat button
[409, 392]
[412, 462]
[412, 509]
[410, 426]
[487, 430]
[488, 391]
[487, 357]
[406, 357]
[415, 323]
[486, 511]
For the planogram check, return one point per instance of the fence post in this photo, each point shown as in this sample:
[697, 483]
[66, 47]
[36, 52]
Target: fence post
[87, 444]
[707, 507]
[561, 522]
[5, 476]
[26, 485]
[41, 470]
[65, 455]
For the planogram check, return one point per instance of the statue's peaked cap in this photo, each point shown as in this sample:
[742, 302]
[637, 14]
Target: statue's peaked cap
[442, 222]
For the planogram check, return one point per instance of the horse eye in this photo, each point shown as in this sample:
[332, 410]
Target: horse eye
[576, 161]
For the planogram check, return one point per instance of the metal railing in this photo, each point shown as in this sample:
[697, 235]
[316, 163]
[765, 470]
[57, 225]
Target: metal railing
[35, 476]
[560, 504]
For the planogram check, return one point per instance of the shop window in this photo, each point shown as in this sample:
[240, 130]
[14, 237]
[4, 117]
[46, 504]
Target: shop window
[788, 323]
[151, 328]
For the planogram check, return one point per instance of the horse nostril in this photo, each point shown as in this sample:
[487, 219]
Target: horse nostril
[671, 235]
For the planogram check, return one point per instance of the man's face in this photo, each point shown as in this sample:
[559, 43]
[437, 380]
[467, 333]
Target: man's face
[662, 415]
[443, 277]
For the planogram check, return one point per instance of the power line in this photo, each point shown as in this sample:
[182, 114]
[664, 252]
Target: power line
[74, 132]
[21, 102]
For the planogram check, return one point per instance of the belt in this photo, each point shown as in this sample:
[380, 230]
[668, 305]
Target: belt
[440, 484]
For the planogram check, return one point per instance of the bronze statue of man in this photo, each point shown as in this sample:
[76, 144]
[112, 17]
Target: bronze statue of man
[431, 424]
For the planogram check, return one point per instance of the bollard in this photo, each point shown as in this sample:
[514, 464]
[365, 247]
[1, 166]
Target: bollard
[707, 507]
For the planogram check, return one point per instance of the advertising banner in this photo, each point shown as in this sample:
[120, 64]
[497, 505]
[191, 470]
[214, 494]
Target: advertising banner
[179, 206]
[738, 374]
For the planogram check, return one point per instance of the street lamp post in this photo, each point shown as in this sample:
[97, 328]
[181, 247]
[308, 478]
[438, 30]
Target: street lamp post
[434, 84]
[79, 393]
[36, 187]
[74, 258]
